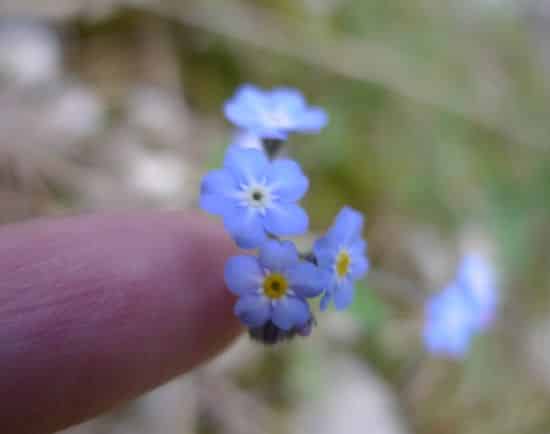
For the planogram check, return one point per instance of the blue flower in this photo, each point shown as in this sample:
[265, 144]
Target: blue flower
[274, 286]
[450, 322]
[273, 114]
[256, 196]
[476, 277]
[342, 253]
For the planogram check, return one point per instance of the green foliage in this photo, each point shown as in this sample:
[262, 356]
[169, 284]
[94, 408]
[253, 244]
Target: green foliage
[368, 309]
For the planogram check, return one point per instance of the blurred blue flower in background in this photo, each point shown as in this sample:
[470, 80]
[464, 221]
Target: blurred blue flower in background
[463, 309]
[450, 322]
[273, 114]
[477, 277]
[342, 253]
[274, 286]
[256, 197]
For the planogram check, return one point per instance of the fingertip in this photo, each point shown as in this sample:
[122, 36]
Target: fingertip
[98, 309]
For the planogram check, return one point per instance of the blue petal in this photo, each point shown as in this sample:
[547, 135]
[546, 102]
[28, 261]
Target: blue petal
[215, 204]
[250, 94]
[218, 181]
[359, 267]
[246, 165]
[246, 228]
[278, 255]
[307, 280]
[459, 344]
[287, 99]
[245, 107]
[286, 220]
[253, 310]
[357, 247]
[216, 190]
[440, 341]
[312, 121]
[243, 274]
[347, 227]
[290, 312]
[324, 254]
[325, 300]
[287, 180]
[343, 295]
[450, 299]
[450, 322]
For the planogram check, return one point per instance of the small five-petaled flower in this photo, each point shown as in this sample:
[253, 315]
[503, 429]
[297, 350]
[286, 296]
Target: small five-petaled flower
[342, 253]
[275, 113]
[256, 197]
[274, 286]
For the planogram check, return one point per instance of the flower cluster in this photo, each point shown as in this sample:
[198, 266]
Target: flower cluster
[466, 307]
[257, 195]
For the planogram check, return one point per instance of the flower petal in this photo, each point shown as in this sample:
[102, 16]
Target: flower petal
[290, 312]
[307, 280]
[312, 120]
[286, 219]
[324, 254]
[357, 247]
[343, 295]
[451, 320]
[245, 107]
[253, 310]
[440, 340]
[214, 204]
[345, 230]
[359, 266]
[288, 98]
[246, 165]
[278, 255]
[287, 180]
[246, 228]
[243, 274]
[216, 190]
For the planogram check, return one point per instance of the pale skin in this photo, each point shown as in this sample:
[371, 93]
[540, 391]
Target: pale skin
[96, 310]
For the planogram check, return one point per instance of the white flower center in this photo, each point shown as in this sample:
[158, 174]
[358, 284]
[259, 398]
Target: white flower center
[257, 196]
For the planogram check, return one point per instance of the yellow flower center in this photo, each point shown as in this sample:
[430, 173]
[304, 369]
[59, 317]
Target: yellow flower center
[275, 286]
[343, 261]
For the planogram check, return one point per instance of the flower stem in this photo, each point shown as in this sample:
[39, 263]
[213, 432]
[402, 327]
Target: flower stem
[272, 147]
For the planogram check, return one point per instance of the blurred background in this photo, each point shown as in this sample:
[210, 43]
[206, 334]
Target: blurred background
[439, 131]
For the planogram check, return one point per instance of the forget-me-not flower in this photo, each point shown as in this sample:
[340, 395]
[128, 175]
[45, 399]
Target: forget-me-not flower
[274, 286]
[342, 253]
[477, 278]
[256, 197]
[273, 114]
[450, 322]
